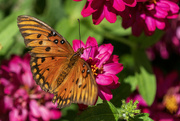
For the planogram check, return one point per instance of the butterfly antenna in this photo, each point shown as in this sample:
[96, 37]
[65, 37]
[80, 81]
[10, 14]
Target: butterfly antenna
[79, 33]
[90, 51]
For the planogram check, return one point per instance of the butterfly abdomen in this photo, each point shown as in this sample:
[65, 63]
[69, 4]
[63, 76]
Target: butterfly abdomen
[74, 58]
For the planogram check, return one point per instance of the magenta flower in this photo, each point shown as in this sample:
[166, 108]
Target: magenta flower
[148, 15]
[166, 106]
[20, 98]
[108, 9]
[169, 43]
[104, 65]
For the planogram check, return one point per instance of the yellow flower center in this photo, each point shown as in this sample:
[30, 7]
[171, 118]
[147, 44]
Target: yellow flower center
[171, 103]
[152, 1]
[94, 68]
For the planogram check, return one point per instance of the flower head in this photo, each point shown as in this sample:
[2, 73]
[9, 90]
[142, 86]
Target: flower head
[148, 15]
[104, 65]
[20, 97]
[100, 9]
[166, 105]
[169, 43]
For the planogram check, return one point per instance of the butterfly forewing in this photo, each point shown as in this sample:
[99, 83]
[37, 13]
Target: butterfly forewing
[43, 40]
[55, 66]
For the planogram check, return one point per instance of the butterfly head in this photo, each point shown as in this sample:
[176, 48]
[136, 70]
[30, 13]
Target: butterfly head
[80, 50]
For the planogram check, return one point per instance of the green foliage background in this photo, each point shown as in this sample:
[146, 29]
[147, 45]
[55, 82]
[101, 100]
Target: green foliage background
[62, 15]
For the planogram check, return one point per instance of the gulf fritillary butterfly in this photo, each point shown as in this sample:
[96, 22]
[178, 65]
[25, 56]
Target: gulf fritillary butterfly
[55, 66]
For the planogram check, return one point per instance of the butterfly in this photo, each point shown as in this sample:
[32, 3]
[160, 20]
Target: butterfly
[55, 66]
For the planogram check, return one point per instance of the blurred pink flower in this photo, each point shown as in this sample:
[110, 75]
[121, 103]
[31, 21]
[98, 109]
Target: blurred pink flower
[169, 43]
[166, 106]
[108, 9]
[20, 98]
[148, 15]
[104, 65]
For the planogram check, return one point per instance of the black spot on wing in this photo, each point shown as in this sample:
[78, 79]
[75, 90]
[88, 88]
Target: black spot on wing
[40, 42]
[56, 41]
[39, 35]
[48, 49]
[42, 59]
[62, 41]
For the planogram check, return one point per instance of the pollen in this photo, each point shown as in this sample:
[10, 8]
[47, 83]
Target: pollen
[171, 103]
[94, 69]
[152, 1]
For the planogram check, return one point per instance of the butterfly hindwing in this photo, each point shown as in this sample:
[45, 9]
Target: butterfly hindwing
[43, 40]
[85, 87]
[46, 70]
[79, 86]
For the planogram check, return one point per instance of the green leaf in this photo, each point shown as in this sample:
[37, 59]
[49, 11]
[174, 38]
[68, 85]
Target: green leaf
[147, 85]
[115, 28]
[145, 76]
[145, 41]
[17, 48]
[132, 80]
[7, 36]
[53, 11]
[102, 112]
[8, 20]
[73, 9]
[124, 90]
[141, 117]
[9, 28]
[127, 61]
[69, 113]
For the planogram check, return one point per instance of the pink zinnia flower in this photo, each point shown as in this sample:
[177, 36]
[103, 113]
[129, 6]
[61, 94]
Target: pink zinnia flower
[20, 98]
[166, 106]
[148, 15]
[104, 65]
[108, 9]
[169, 43]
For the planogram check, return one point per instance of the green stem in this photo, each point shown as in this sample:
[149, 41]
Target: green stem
[119, 39]
[110, 35]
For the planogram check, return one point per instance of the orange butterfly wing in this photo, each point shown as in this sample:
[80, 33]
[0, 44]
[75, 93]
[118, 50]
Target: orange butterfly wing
[48, 49]
[51, 64]
[78, 87]
[43, 40]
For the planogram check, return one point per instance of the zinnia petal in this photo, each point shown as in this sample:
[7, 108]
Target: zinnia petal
[104, 80]
[113, 68]
[105, 93]
[110, 13]
[45, 113]
[34, 108]
[118, 5]
[55, 114]
[92, 47]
